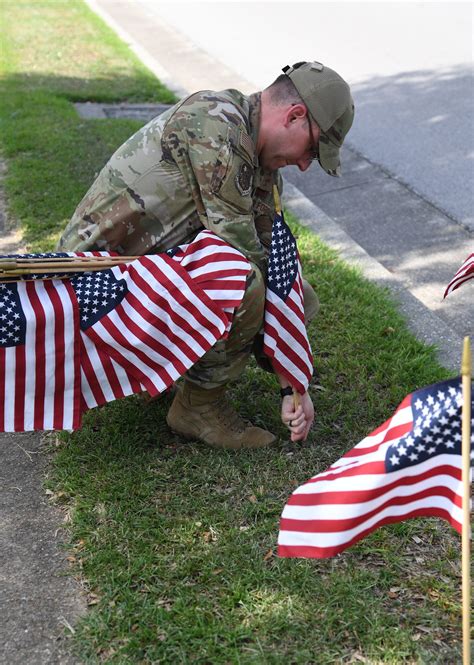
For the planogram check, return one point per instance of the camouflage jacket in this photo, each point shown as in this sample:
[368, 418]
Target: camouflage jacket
[193, 166]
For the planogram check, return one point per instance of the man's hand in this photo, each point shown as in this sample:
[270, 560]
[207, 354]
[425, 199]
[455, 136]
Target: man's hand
[298, 420]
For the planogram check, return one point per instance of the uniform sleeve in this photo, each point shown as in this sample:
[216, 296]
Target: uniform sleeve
[209, 143]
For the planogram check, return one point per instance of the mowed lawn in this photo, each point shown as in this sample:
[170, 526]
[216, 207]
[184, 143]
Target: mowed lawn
[175, 543]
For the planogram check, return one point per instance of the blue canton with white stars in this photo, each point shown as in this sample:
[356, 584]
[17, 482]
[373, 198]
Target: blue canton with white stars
[436, 428]
[98, 293]
[12, 317]
[282, 264]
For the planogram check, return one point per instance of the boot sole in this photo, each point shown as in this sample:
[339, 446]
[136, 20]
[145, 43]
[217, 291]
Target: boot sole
[194, 437]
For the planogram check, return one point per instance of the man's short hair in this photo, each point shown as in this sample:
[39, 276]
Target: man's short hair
[282, 91]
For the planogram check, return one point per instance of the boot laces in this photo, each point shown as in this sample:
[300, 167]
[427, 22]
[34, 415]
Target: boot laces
[229, 416]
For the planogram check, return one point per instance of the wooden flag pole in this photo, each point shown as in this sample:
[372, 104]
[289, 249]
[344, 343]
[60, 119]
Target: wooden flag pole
[276, 200]
[466, 369]
[48, 268]
[11, 262]
[11, 267]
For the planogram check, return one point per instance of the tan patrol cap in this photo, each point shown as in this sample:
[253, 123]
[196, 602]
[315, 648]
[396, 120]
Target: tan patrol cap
[329, 102]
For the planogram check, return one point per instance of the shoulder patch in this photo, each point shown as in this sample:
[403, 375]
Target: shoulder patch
[247, 144]
[243, 179]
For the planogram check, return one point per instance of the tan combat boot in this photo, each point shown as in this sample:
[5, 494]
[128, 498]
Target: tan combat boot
[206, 415]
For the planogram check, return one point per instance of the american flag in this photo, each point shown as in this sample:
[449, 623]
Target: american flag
[465, 272]
[285, 338]
[70, 345]
[218, 269]
[172, 309]
[39, 357]
[410, 466]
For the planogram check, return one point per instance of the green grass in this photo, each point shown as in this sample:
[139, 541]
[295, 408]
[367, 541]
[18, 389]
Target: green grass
[178, 541]
[53, 54]
[175, 543]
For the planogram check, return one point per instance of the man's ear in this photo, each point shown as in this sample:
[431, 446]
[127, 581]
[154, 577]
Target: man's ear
[295, 112]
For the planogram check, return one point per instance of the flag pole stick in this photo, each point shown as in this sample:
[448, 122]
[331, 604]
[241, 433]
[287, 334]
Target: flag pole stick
[276, 199]
[12, 267]
[466, 523]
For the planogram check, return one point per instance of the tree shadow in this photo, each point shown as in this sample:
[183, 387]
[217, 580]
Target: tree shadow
[141, 87]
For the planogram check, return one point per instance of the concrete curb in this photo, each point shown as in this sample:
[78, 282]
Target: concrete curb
[174, 52]
[141, 53]
[424, 324]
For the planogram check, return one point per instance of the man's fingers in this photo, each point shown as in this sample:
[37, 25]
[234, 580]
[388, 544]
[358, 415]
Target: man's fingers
[301, 432]
[298, 428]
[296, 422]
[295, 436]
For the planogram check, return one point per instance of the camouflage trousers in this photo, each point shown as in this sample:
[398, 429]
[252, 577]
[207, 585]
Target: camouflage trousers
[228, 358]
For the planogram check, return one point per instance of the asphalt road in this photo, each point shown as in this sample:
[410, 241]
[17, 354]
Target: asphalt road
[409, 65]
[401, 238]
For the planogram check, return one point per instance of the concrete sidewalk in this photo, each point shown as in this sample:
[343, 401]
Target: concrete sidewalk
[39, 600]
[397, 237]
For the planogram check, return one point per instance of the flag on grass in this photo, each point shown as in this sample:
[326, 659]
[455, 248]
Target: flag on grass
[285, 338]
[69, 345]
[410, 466]
[39, 356]
[465, 272]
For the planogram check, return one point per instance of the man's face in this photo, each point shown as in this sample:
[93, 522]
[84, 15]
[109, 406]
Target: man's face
[293, 142]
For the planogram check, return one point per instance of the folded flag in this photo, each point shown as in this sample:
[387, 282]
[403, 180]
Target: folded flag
[285, 339]
[410, 466]
[181, 302]
[465, 272]
[67, 345]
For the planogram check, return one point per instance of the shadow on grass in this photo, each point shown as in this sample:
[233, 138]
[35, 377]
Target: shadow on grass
[141, 87]
[53, 155]
[179, 540]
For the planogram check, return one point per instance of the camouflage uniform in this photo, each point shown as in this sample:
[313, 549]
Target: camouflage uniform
[193, 166]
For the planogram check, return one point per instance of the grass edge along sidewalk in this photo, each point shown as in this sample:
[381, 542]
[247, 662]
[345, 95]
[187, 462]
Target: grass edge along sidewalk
[176, 541]
[54, 54]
